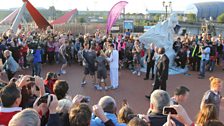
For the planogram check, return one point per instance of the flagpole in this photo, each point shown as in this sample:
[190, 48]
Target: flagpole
[124, 20]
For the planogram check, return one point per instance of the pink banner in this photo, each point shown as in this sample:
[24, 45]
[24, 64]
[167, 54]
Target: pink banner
[114, 14]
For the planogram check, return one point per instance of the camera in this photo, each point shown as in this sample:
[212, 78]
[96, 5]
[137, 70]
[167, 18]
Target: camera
[86, 99]
[32, 79]
[168, 109]
[44, 99]
[130, 116]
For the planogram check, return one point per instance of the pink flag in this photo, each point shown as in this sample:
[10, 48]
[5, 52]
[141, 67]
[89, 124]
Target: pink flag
[114, 14]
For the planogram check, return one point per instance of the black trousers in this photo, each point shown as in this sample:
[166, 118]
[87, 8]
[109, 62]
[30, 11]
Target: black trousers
[150, 66]
[180, 63]
[196, 63]
[10, 75]
[159, 84]
[50, 57]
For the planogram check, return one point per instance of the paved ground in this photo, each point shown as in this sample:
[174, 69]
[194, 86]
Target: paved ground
[134, 88]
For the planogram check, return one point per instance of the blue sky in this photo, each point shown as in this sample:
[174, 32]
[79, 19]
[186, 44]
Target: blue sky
[137, 6]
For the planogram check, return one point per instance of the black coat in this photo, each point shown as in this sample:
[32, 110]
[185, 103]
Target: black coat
[162, 68]
[149, 57]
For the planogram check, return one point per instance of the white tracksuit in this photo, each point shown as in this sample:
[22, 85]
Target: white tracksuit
[114, 65]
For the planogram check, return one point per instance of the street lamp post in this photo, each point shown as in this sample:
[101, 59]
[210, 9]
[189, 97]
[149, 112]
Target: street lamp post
[166, 5]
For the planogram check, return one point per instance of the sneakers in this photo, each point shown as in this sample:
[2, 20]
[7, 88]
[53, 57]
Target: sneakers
[114, 87]
[108, 87]
[134, 72]
[63, 72]
[139, 73]
[83, 83]
[98, 87]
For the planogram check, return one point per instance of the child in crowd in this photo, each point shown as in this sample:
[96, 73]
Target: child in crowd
[136, 51]
[21, 60]
[101, 70]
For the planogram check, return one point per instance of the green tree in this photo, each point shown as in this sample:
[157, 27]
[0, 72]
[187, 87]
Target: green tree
[180, 18]
[82, 20]
[220, 18]
[191, 17]
[156, 17]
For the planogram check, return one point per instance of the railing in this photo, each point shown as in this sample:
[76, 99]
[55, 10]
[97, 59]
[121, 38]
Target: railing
[77, 28]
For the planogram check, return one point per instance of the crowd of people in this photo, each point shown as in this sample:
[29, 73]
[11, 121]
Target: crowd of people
[33, 101]
[201, 53]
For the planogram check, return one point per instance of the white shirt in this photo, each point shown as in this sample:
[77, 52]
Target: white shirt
[114, 59]
[206, 53]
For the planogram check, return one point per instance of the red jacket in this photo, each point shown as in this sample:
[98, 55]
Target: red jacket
[24, 49]
[6, 114]
[50, 84]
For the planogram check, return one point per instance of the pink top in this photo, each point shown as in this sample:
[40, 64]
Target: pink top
[56, 46]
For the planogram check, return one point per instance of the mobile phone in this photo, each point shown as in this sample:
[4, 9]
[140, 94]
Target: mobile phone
[32, 79]
[86, 99]
[130, 116]
[168, 109]
[43, 99]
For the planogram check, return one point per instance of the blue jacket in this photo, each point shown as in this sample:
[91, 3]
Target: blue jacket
[11, 64]
[37, 56]
[95, 121]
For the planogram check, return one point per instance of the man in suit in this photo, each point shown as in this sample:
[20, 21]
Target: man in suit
[162, 71]
[149, 59]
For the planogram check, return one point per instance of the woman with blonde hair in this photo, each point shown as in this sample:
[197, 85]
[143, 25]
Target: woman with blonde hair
[213, 95]
[125, 114]
[207, 112]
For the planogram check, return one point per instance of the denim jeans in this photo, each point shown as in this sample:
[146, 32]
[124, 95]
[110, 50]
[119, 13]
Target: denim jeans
[37, 69]
[57, 57]
[203, 67]
[211, 65]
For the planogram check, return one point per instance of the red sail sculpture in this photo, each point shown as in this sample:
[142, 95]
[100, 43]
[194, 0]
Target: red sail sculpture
[65, 18]
[41, 22]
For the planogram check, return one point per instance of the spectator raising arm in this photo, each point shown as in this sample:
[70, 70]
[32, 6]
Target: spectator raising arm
[169, 122]
[53, 117]
[182, 115]
[40, 84]
[98, 111]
